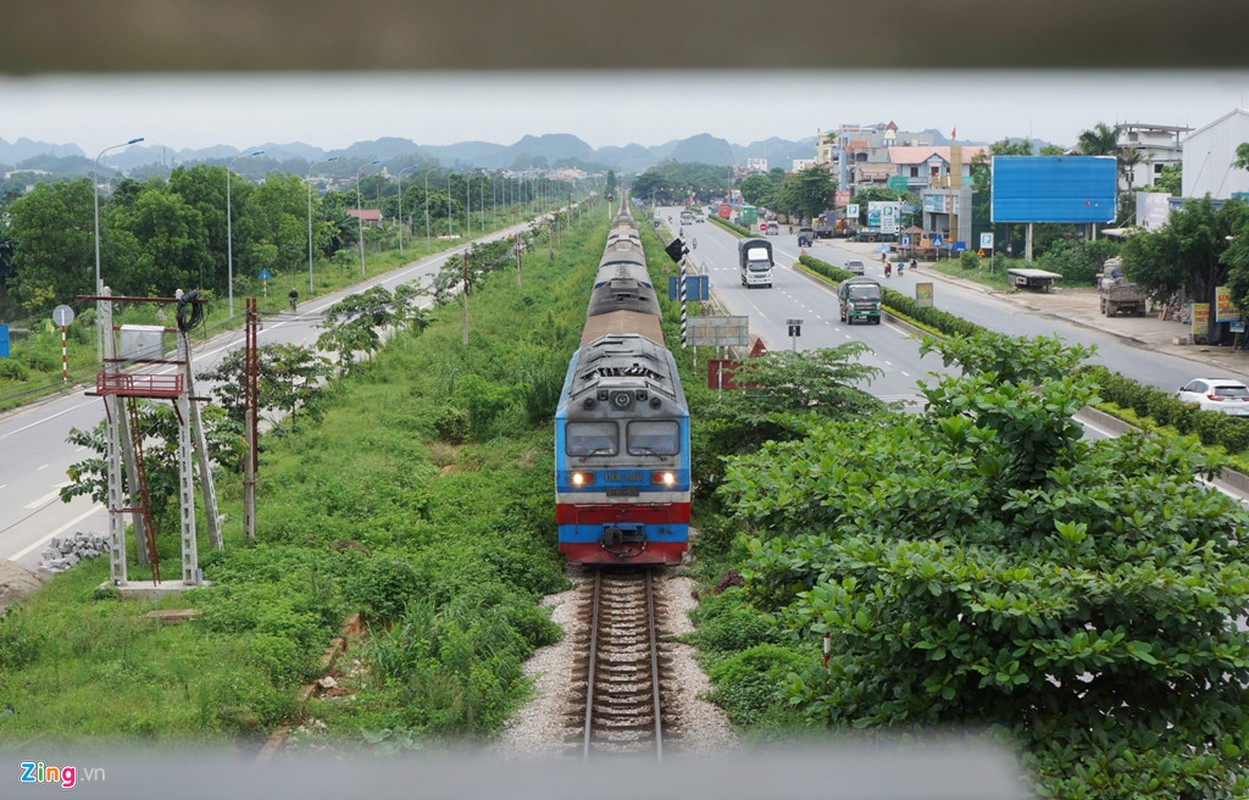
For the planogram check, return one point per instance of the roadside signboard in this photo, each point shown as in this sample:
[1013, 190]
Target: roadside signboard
[4, 341]
[923, 295]
[1200, 315]
[719, 331]
[986, 241]
[1224, 309]
[937, 241]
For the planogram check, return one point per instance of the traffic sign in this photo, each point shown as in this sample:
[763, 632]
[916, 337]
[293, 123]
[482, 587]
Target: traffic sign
[905, 241]
[986, 241]
[960, 247]
[63, 316]
[264, 274]
[937, 241]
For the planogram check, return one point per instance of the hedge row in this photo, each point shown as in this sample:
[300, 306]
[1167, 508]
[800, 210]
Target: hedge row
[1213, 428]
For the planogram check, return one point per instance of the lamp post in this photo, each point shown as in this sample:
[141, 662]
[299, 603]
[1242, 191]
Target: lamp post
[309, 181]
[230, 230]
[400, 179]
[99, 288]
[428, 243]
[359, 210]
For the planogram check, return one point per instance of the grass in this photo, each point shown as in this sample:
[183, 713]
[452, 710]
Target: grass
[443, 546]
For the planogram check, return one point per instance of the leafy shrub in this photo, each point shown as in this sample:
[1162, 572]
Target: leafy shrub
[40, 362]
[12, 369]
[750, 685]
[384, 587]
[969, 260]
[452, 425]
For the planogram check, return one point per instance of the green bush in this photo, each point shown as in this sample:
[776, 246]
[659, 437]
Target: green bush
[384, 587]
[452, 425]
[969, 260]
[14, 370]
[751, 684]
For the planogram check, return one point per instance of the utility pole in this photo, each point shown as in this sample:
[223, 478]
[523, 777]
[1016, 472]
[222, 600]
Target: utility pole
[250, 363]
[464, 295]
[201, 450]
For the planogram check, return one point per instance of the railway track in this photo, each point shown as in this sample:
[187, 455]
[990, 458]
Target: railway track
[621, 702]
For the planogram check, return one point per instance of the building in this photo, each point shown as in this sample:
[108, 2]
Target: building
[864, 153]
[1208, 155]
[928, 166]
[1145, 150]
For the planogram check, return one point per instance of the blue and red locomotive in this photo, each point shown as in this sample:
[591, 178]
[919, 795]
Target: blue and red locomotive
[622, 430]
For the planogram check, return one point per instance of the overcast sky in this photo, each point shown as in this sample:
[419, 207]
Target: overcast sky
[334, 110]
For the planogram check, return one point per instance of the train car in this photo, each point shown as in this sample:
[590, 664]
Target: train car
[622, 429]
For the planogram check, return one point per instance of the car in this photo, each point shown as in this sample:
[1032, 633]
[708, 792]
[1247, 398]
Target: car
[856, 266]
[1224, 395]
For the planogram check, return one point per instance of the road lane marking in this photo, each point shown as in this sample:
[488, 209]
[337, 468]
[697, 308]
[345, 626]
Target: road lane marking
[41, 542]
[40, 469]
[47, 498]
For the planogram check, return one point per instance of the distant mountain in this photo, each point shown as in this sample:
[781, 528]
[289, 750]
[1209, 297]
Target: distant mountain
[24, 148]
[548, 150]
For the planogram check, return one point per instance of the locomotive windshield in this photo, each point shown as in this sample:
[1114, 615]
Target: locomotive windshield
[654, 438]
[591, 439]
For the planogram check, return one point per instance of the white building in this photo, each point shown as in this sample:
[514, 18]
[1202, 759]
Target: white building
[1208, 156]
[1145, 150]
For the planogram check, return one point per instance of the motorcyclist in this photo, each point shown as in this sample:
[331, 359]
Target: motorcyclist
[294, 296]
[694, 243]
[888, 269]
[901, 268]
[914, 263]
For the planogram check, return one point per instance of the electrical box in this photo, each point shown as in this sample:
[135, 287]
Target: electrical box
[142, 342]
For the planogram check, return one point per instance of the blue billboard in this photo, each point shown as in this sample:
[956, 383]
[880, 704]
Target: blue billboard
[1077, 189]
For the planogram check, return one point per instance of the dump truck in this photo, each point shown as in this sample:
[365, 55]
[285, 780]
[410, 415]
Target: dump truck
[1119, 295]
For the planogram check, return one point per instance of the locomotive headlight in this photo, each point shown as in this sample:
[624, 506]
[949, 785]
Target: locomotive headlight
[666, 478]
[582, 478]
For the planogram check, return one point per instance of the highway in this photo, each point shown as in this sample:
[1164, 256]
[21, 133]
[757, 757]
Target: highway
[816, 302]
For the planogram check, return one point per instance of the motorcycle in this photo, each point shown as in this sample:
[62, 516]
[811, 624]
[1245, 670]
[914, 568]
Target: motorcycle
[888, 270]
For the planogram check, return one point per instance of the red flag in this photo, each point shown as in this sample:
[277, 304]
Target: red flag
[954, 132]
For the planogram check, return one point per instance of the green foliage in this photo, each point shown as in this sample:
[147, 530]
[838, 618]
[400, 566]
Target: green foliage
[980, 565]
[751, 686]
[671, 182]
[289, 378]
[384, 588]
[969, 260]
[1079, 261]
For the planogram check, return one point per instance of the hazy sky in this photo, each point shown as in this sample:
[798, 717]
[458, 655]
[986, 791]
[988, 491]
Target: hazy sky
[334, 110]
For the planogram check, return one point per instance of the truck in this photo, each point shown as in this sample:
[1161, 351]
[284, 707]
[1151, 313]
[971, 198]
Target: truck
[687, 217]
[860, 300]
[1119, 295]
[747, 216]
[754, 258]
[827, 225]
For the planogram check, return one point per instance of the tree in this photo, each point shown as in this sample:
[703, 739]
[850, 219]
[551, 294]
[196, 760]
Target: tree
[980, 565]
[166, 248]
[1242, 156]
[1187, 254]
[288, 379]
[53, 235]
[759, 190]
[1171, 179]
[807, 193]
[1100, 140]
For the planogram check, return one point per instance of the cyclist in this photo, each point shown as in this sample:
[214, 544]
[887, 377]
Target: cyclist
[294, 296]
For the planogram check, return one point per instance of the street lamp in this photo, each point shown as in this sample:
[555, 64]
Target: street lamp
[427, 239]
[99, 288]
[400, 179]
[230, 230]
[309, 181]
[360, 211]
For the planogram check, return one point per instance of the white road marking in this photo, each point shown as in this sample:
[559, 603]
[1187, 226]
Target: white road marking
[47, 498]
[41, 542]
[40, 469]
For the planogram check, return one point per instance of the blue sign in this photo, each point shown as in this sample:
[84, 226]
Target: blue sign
[264, 274]
[1053, 188]
[959, 247]
[697, 287]
[937, 241]
[4, 341]
[905, 241]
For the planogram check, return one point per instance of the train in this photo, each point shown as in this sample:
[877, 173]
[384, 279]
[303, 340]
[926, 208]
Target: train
[622, 426]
